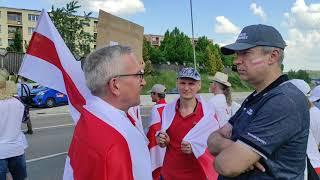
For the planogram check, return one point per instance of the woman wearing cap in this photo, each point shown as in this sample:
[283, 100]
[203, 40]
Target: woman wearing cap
[12, 140]
[314, 131]
[221, 101]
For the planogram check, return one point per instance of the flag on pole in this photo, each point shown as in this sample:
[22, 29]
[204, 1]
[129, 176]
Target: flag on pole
[49, 62]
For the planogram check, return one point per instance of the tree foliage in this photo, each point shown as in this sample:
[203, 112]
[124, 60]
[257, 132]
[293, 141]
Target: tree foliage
[71, 28]
[177, 47]
[300, 74]
[17, 42]
[213, 61]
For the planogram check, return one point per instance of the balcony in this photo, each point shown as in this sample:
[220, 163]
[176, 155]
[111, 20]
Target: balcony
[14, 22]
[10, 35]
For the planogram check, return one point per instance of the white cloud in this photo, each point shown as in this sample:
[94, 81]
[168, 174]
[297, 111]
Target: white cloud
[225, 26]
[116, 7]
[303, 16]
[258, 11]
[303, 23]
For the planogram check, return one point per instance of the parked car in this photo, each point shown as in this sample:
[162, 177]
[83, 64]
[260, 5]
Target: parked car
[45, 97]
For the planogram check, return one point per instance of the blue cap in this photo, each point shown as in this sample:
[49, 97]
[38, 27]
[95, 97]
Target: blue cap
[255, 35]
[189, 73]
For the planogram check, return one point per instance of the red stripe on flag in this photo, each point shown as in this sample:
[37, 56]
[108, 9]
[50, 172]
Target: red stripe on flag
[151, 135]
[44, 48]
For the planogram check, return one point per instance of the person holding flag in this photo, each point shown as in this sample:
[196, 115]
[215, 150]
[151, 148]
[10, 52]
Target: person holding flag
[186, 125]
[105, 144]
[158, 94]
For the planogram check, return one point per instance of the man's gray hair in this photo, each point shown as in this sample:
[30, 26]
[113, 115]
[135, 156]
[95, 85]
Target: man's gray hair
[102, 65]
[267, 49]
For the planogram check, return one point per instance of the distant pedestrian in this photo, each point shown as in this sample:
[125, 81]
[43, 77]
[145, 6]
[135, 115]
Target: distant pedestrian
[222, 100]
[24, 93]
[158, 94]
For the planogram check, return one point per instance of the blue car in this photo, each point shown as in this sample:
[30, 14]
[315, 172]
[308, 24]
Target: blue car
[46, 97]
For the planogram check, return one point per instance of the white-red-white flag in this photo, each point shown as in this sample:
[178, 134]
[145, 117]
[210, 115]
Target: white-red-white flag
[156, 152]
[49, 62]
[198, 135]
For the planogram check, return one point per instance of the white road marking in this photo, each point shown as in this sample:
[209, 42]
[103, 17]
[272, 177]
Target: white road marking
[49, 127]
[46, 157]
[44, 114]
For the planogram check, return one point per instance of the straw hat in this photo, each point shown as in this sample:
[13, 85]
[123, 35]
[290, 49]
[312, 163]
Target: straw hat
[220, 78]
[7, 88]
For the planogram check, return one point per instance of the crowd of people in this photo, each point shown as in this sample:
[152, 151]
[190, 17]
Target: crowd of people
[273, 134]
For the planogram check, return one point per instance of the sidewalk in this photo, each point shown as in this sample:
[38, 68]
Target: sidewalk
[145, 101]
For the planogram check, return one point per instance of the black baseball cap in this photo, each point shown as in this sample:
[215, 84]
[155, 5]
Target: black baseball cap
[255, 35]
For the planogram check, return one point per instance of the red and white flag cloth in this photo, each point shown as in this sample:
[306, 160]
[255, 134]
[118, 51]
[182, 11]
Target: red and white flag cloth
[156, 152]
[198, 135]
[134, 116]
[49, 62]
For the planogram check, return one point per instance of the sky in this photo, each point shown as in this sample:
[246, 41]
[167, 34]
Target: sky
[220, 20]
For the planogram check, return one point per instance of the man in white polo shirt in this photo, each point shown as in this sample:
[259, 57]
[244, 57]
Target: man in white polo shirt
[12, 140]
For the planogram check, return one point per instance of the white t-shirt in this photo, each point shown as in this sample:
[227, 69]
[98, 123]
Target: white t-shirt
[12, 139]
[314, 137]
[234, 108]
[221, 107]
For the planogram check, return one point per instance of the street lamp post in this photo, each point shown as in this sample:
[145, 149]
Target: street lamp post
[194, 49]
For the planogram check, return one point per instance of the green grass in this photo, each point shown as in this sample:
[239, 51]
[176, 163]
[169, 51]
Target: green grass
[168, 79]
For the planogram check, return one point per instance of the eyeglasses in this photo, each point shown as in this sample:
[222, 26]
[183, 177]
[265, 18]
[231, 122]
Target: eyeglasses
[140, 75]
[153, 93]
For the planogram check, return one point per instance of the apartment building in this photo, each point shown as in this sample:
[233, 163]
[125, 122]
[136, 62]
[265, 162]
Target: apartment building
[25, 21]
[155, 40]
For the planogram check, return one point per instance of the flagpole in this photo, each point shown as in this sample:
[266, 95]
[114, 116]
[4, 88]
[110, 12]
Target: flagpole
[193, 46]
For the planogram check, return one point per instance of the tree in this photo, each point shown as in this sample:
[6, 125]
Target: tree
[146, 57]
[17, 42]
[177, 47]
[213, 62]
[71, 28]
[202, 44]
[300, 74]
[200, 48]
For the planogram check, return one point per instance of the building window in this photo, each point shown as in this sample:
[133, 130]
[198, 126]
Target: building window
[14, 17]
[33, 17]
[10, 42]
[30, 30]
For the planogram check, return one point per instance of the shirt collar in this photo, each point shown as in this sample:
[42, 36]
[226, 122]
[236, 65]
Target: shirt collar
[161, 101]
[283, 78]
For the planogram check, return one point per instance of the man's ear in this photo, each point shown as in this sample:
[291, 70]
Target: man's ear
[274, 57]
[114, 86]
